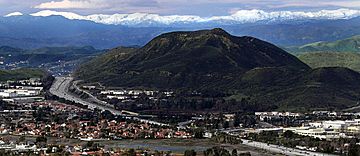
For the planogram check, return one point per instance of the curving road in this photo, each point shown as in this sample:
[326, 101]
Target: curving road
[60, 88]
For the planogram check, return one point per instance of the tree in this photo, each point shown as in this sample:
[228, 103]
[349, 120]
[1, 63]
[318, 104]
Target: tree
[226, 124]
[131, 152]
[234, 152]
[354, 150]
[237, 120]
[89, 144]
[21, 139]
[199, 133]
[288, 134]
[190, 153]
[41, 139]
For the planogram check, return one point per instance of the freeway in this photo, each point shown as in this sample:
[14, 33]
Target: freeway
[60, 88]
[357, 107]
[282, 149]
[274, 148]
[92, 97]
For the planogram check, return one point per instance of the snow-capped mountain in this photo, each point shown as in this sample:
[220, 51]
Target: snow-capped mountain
[241, 16]
[14, 14]
[285, 28]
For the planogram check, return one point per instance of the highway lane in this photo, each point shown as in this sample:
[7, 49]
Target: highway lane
[91, 97]
[282, 149]
[60, 88]
[274, 148]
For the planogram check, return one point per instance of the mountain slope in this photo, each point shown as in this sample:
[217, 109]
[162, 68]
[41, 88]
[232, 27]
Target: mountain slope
[294, 90]
[20, 74]
[331, 59]
[215, 60]
[347, 45]
[190, 60]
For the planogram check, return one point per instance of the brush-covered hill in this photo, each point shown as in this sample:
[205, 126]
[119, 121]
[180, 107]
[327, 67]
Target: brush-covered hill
[20, 74]
[329, 87]
[331, 59]
[187, 59]
[351, 44]
[215, 60]
[341, 53]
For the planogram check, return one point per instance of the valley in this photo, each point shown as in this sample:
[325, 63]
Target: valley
[219, 78]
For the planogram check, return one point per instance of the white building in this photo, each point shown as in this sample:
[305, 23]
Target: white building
[18, 92]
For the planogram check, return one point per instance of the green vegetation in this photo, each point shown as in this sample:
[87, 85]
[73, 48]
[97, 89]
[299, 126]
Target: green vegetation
[347, 45]
[189, 153]
[226, 139]
[341, 53]
[199, 59]
[265, 76]
[290, 139]
[327, 59]
[19, 74]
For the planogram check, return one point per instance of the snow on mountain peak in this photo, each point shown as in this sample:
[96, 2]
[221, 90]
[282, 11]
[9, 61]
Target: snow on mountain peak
[68, 15]
[241, 16]
[14, 14]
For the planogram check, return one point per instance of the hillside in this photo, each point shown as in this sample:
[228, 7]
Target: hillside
[347, 45]
[331, 59]
[36, 57]
[188, 60]
[330, 87]
[215, 60]
[19, 74]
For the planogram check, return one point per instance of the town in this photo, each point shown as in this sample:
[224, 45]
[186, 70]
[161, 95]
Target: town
[30, 119]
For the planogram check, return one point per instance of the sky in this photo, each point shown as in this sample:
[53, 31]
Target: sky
[204, 8]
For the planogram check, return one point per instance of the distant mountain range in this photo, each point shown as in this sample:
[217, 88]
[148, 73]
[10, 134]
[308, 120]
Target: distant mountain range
[54, 59]
[239, 17]
[215, 60]
[59, 29]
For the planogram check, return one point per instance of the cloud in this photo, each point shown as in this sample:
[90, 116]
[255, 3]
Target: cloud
[72, 4]
[350, 4]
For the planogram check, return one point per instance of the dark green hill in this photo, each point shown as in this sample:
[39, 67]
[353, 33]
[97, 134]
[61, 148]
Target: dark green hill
[331, 87]
[10, 50]
[188, 60]
[216, 60]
